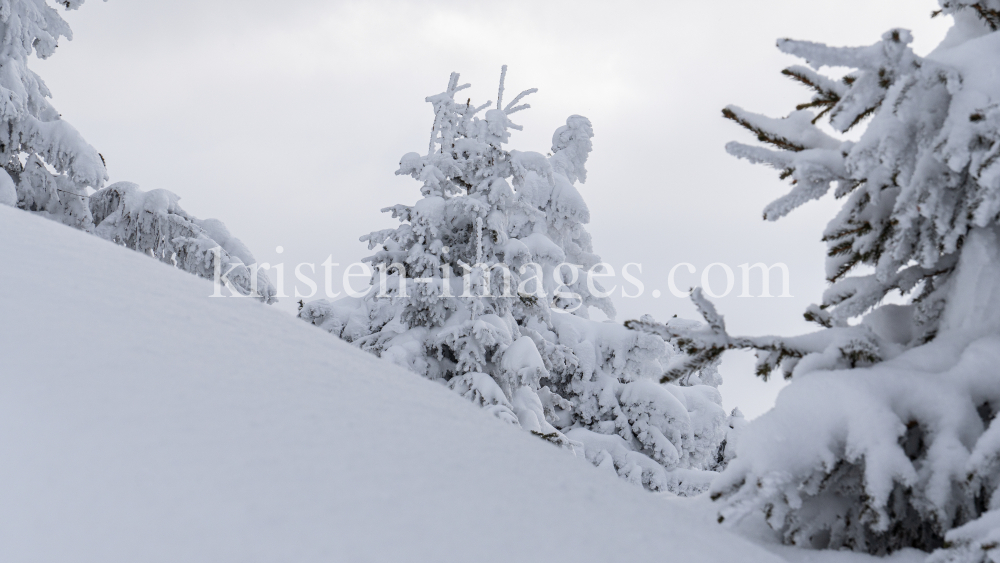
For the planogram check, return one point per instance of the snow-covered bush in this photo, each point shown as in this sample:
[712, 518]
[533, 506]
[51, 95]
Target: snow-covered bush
[153, 223]
[50, 170]
[484, 288]
[886, 437]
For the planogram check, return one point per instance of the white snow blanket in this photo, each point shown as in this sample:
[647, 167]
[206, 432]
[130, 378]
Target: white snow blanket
[142, 421]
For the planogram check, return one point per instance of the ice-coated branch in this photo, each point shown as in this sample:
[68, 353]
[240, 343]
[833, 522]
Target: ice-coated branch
[503, 76]
[739, 116]
[828, 92]
[704, 344]
[513, 108]
[887, 52]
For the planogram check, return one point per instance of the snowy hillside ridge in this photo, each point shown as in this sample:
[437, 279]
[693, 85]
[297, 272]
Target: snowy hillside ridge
[887, 437]
[153, 423]
[36, 139]
[533, 358]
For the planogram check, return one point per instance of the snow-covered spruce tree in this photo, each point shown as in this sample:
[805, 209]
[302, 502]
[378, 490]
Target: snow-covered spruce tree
[34, 141]
[483, 287]
[153, 223]
[891, 439]
[50, 169]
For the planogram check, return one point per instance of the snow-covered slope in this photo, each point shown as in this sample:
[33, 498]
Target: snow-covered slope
[141, 420]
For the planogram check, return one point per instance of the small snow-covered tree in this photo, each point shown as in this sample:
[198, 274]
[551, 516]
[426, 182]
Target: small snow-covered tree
[484, 288]
[887, 436]
[153, 223]
[47, 160]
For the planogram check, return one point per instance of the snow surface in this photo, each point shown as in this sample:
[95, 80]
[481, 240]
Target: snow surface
[141, 420]
[8, 193]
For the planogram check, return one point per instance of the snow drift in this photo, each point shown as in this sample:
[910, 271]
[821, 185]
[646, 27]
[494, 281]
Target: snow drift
[141, 420]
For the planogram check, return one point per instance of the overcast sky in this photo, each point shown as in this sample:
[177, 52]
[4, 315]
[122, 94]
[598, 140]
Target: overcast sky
[287, 120]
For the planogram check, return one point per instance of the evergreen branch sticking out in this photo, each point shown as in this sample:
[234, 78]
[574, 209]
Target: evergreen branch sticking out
[828, 92]
[988, 14]
[703, 345]
[762, 135]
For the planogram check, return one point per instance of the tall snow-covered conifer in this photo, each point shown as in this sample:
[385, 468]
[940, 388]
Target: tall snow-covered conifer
[891, 440]
[51, 171]
[484, 288]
